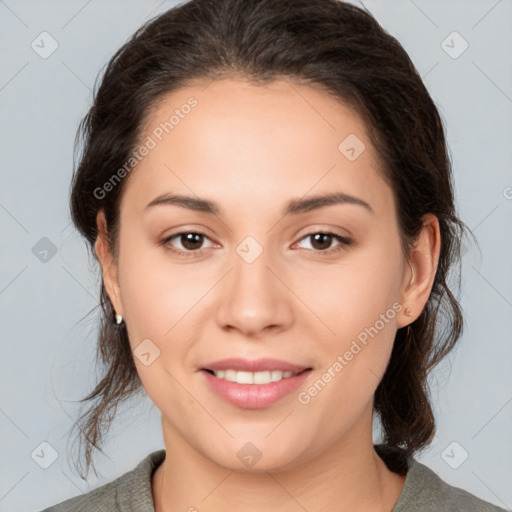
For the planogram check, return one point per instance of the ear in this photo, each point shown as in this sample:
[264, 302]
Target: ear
[107, 263]
[419, 278]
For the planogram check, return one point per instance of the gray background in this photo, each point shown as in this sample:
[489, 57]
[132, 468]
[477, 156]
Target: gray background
[46, 362]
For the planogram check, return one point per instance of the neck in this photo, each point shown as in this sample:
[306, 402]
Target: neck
[350, 475]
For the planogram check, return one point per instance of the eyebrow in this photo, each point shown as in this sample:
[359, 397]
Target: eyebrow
[293, 207]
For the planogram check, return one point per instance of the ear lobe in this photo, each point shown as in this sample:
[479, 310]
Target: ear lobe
[107, 262]
[423, 263]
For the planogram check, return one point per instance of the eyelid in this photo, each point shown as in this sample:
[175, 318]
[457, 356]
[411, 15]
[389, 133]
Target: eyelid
[344, 242]
[166, 241]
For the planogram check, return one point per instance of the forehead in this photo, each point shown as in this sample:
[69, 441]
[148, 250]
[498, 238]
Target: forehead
[241, 143]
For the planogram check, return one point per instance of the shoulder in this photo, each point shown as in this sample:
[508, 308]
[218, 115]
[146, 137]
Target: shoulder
[425, 491]
[131, 492]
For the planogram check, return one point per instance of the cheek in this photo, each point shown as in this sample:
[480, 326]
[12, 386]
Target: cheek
[352, 295]
[351, 370]
[357, 309]
[156, 294]
[163, 303]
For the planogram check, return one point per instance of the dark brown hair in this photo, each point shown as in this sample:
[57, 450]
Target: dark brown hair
[329, 44]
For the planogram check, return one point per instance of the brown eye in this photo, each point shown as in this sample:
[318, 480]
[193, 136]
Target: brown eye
[186, 243]
[191, 241]
[322, 242]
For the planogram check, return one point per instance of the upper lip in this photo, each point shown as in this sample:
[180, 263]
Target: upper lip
[256, 365]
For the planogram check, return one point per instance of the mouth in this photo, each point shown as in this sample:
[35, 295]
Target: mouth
[243, 377]
[253, 384]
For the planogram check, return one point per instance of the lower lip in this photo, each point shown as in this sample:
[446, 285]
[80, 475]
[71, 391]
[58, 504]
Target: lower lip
[254, 396]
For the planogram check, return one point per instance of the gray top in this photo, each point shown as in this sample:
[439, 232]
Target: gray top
[423, 491]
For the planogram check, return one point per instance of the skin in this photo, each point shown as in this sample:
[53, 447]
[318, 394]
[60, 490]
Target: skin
[251, 149]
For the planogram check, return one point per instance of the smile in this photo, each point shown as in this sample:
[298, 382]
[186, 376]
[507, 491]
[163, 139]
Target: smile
[241, 377]
[253, 390]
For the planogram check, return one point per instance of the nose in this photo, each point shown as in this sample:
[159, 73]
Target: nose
[254, 297]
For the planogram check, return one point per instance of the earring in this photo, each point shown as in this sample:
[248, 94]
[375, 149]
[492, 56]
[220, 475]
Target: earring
[408, 312]
[119, 319]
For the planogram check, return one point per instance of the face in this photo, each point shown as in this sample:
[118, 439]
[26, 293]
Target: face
[260, 272]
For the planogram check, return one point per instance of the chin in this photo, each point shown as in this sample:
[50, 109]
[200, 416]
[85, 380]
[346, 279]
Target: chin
[254, 457]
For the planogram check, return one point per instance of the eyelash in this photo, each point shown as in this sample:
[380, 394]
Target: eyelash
[344, 242]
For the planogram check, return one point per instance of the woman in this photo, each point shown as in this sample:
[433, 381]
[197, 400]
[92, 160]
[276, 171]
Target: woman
[266, 186]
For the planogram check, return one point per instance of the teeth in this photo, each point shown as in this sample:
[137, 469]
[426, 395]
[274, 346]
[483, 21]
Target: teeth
[252, 377]
[244, 378]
